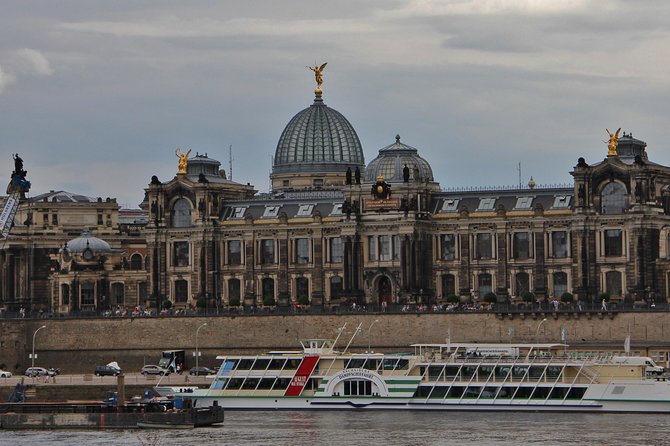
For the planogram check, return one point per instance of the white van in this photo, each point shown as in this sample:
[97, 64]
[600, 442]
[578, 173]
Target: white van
[652, 367]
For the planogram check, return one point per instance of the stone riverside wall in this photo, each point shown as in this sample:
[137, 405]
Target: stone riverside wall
[77, 345]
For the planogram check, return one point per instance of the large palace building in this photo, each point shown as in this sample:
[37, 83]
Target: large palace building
[336, 230]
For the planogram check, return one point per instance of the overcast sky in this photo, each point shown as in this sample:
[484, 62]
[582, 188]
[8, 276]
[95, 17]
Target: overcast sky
[96, 96]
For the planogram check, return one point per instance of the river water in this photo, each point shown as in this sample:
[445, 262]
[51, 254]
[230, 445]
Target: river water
[359, 428]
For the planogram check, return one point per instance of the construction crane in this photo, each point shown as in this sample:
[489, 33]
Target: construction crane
[16, 191]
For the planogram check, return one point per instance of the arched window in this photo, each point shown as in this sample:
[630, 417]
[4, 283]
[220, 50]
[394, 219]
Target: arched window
[181, 291]
[613, 199]
[522, 281]
[136, 262]
[613, 283]
[181, 214]
[65, 294]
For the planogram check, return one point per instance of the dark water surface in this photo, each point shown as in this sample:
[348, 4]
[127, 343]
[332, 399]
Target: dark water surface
[381, 428]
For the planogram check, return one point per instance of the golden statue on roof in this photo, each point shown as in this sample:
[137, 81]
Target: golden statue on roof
[613, 142]
[183, 160]
[318, 70]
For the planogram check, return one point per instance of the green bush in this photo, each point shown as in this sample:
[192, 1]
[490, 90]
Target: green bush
[527, 296]
[303, 299]
[167, 304]
[201, 302]
[605, 296]
[234, 302]
[491, 297]
[453, 299]
[269, 301]
[567, 298]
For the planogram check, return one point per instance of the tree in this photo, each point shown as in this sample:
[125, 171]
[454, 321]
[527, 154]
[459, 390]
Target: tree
[491, 297]
[167, 304]
[528, 296]
[567, 298]
[452, 299]
[234, 301]
[269, 301]
[604, 296]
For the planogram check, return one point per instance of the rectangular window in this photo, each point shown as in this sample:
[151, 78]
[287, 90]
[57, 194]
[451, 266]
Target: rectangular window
[305, 210]
[559, 244]
[384, 248]
[448, 246]
[180, 254]
[234, 252]
[302, 254]
[99, 219]
[396, 247]
[271, 211]
[450, 205]
[267, 252]
[372, 248]
[486, 204]
[613, 243]
[523, 203]
[54, 219]
[521, 245]
[483, 245]
[336, 250]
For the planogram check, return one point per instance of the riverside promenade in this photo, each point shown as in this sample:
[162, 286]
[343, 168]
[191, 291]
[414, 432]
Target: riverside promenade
[77, 345]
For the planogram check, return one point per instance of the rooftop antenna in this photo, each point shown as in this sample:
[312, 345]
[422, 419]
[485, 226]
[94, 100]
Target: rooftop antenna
[520, 185]
[230, 162]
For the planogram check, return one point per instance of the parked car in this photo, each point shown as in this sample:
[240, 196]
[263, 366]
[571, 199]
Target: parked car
[5, 374]
[34, 372]
[201, 371]
[107, 370]
[154, 370]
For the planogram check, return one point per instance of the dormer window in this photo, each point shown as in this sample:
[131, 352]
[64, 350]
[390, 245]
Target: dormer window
[271, 211]
[523, 203]
[486, 204]
[305, 210]
[238, 212]
[561, 202]
[450, 205]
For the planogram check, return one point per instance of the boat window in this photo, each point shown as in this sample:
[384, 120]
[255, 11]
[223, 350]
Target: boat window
[541, 392]
[468, 372]
[277, 364]
[357, 387]
[489, 392]
[435, 372]
[451, 371]
[371, 364]
[455, 392]
[519, 372]
[484, 372]
[502, 372]
[536, 371]
[250, 383]
[439, 392]
[472, 392]
[355, 363]
[261, 364]
[292, 364]
[558, 393]
[506, 392]
[553, 372]
[576, 393]
[266, 383]
[524, 392]
[245, 364]
[234, 383]
[281, 384]
[219, 383]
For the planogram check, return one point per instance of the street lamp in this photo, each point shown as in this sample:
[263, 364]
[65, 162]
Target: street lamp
[197, 353]
[32, 356]
[369, 330]
[537, 332]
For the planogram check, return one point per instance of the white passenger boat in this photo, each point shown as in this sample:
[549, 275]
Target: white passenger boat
[450, 376]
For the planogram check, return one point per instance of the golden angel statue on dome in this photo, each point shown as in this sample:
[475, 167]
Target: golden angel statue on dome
[318, 70]
[613, 142]
[183, 160]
